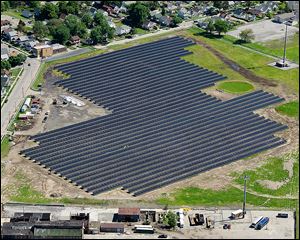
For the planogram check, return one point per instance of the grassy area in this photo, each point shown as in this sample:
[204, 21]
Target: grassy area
[193, 196]
[14, 14]
[15, 72]
[5, 145]
[235, 87]
[273, 170]
[274, 47]
[249, 60]
[290, 109]
[204, 58]
[60, 74]
[141, 31]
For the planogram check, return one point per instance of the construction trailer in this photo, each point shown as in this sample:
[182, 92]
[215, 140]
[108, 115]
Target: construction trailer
[143, 229]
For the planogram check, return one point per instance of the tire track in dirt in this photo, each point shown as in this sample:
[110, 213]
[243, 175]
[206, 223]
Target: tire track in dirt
[236, 67]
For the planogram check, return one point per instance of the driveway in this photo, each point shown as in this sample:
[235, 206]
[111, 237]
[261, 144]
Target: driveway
[265, 30]
[68, 54]
[18, 93]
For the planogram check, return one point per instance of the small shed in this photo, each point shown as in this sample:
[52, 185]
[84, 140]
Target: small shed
[128, 214]
[112, 227]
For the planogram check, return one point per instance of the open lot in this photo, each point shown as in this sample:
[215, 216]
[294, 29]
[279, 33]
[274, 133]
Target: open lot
[265, 30]
[279, 228]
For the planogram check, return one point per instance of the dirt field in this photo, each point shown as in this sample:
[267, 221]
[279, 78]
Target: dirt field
[63, 115]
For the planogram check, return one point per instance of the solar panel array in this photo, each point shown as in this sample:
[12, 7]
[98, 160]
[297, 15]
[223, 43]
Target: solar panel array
[162, 129]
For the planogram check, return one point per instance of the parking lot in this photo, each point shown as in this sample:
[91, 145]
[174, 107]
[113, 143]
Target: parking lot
[265, 30]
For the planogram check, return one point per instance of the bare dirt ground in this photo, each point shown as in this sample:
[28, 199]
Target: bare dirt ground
[217, 179]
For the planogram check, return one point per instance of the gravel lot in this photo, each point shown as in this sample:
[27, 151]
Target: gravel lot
[265, 30]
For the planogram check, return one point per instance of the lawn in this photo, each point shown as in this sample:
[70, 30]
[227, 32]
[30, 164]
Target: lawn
[233, 197]
[204, 58]
[290, 109]
[273, 170]
[235, 87]
[15, 72]
[5, 145]
[141, 31]
[14, 14]
[274, 47]
[249, 60]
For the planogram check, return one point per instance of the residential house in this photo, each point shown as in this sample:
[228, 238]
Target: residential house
[4, 53]
[111, 23]
[285, 18]
[105, 14]
[27, 14]
[10, 35]
[241, 14]
[267, 6]
[255, 12]
[4, 83]
[93, 11]
[21, 40]
[184, 13]
[122, 30]
[148, 25]
[171, 8]
[202, 24]
[30, 44]
[165, 21]
[58, 48]
[75, 40]
[108, 9]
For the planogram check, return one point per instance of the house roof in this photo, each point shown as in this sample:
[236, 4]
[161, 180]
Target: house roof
[286, 15]
[129, 211]
[75, 38]
[112, 225]
[23, 38]
[27, 14]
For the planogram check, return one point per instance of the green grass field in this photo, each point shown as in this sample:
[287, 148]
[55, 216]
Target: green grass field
[273, 170]
[14, 14]
[290, 109]
[235, 87]
[274, 48]
[250, 60]
[5, 145]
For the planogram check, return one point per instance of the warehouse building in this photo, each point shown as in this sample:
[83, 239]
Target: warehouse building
[128, 215]
[112, 227]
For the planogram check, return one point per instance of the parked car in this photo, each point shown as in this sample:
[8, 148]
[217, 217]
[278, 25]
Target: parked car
[163, 236]
[282, 215]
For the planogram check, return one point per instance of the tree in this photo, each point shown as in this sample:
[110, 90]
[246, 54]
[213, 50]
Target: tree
[53, 25]
[5, 64]
[138, 13]
[4, 6]
[153, 5]
[176, 20]
[99, 19]
[34, 4]
[75, 26]
[170, 219]
[246, 35]
[221, 26]
[17, 60]
[40, 30]
[163, 11]
[61, 34]
[210, 26]
[221, 4]
[49, 11]
[21, 26]
[87, 20]
[101, 33]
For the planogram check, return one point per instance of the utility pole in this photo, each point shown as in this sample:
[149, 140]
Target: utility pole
[284, 50]
[244, 202]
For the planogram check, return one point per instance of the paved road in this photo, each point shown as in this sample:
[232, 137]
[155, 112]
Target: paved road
[18, 93]
[68, 54]
[184, 25]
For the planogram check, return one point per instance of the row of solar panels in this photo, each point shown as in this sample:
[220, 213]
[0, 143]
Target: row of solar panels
[162, 128]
